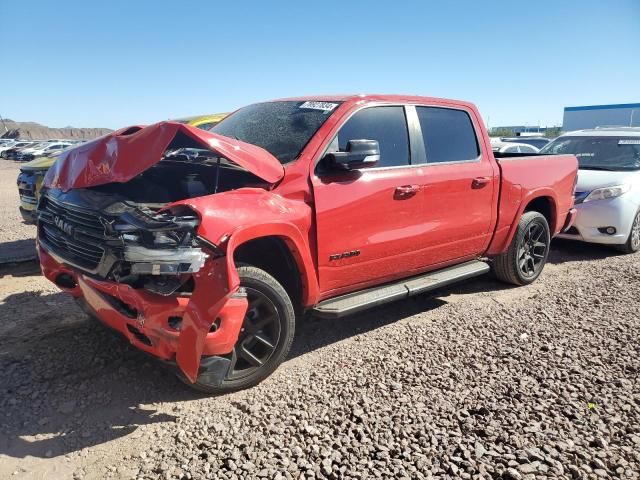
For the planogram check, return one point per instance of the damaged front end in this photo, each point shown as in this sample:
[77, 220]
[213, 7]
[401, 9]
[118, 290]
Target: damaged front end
[144, 273]
[121, 240]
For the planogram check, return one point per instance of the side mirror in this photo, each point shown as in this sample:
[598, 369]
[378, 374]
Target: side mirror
[359, 154]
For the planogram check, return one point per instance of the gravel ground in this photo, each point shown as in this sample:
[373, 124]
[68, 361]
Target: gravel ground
[476, 381]
[17, 240]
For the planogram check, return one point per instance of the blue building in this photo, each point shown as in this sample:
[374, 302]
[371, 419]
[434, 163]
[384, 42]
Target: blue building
[592, 116]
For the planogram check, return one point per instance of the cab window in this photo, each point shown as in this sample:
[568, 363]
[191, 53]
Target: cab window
[448, 135]
[387, 125]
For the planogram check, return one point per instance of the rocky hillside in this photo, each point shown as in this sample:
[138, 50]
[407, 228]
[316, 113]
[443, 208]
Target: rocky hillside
[35, 131]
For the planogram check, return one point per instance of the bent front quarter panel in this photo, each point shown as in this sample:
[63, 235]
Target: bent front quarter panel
[232, 218]
[523, 180]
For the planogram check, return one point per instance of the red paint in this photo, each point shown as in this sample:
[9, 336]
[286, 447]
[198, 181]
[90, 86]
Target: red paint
[198, 314]
[125, 153]
[403, 220]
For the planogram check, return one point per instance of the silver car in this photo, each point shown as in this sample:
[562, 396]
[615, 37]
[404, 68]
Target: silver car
[608, 190]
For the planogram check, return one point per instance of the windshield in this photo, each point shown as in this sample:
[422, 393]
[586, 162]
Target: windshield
[599, 153]
[281, 128]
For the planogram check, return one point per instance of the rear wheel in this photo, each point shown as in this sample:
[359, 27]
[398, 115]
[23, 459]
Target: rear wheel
[632, 244]
[265, 336]
[527, 255]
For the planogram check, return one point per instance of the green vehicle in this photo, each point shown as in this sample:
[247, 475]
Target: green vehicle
[29, 183]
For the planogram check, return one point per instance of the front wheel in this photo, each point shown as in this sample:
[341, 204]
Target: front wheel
[527, 255]
[265, 336]
[632, 245]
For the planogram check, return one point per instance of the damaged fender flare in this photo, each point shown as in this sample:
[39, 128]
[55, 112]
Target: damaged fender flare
[297, 246]
[220, 275]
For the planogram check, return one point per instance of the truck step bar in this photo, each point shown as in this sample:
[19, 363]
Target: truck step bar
[371, 297]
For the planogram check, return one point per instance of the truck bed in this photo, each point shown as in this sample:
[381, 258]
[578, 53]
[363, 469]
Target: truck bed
[525, 177]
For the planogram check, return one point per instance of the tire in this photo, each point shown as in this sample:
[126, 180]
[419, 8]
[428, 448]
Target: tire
[527, 254]
[632, 245]
[266, 298]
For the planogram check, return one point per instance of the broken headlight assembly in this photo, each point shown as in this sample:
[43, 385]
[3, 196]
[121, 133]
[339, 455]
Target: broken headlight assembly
[160, 250]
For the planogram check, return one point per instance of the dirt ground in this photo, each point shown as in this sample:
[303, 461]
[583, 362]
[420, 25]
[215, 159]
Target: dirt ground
[478, 380]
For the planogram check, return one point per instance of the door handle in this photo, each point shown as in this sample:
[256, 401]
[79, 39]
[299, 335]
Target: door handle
[405, 191]
[480, 182]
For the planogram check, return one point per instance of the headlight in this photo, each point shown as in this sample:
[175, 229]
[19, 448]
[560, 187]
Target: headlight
[608, 192]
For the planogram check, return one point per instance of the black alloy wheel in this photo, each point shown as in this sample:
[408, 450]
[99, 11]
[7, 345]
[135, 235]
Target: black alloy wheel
[258, 337]
[527, 254]
[265, 336]
[533, 249]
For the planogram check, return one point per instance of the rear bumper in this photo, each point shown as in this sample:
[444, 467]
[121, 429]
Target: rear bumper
[172, 328]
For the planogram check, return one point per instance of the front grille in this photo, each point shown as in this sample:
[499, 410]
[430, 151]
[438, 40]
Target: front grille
[27, 187]
[75, 234]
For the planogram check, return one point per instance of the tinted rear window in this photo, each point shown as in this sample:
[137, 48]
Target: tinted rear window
[448, 135]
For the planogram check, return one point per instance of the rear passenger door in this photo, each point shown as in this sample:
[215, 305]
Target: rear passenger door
[459, 188]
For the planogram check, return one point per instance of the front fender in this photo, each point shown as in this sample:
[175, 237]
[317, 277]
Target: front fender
[228, 220]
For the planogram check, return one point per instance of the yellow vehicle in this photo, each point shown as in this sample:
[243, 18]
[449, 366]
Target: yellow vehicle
[205, 122]
[33, 172]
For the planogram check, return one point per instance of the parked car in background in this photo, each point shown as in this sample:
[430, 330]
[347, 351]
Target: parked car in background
[537, 142]
[506, 147]
[35, 145]
[6, 144]
[328, 204]
[608, 191]
[12, 152]
[43, 149]
[29, 183]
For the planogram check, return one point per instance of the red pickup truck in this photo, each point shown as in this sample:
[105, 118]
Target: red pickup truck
[203, 247]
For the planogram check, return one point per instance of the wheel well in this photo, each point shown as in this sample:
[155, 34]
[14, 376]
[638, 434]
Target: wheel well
[272, 255]
[546, 207]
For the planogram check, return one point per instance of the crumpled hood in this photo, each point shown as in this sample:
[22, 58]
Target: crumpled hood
[589, 180]
[125, 153]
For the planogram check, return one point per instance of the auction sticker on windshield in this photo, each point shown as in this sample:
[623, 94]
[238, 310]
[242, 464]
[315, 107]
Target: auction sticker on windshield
[324, 106]
[628, 141]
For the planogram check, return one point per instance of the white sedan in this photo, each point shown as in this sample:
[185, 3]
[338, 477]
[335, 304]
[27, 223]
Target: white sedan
[499, 146]
[607, 194]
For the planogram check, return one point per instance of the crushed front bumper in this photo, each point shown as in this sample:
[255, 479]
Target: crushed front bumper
[172, 328]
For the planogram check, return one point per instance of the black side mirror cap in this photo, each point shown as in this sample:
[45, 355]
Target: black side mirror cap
[360, 153]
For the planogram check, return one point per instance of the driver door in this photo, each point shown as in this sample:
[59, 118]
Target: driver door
[369, 220]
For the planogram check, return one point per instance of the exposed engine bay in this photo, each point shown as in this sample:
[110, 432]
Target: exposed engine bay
[124, 232]
[181, 174]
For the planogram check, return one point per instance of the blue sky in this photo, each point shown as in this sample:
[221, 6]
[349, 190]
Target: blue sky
[108, 64]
